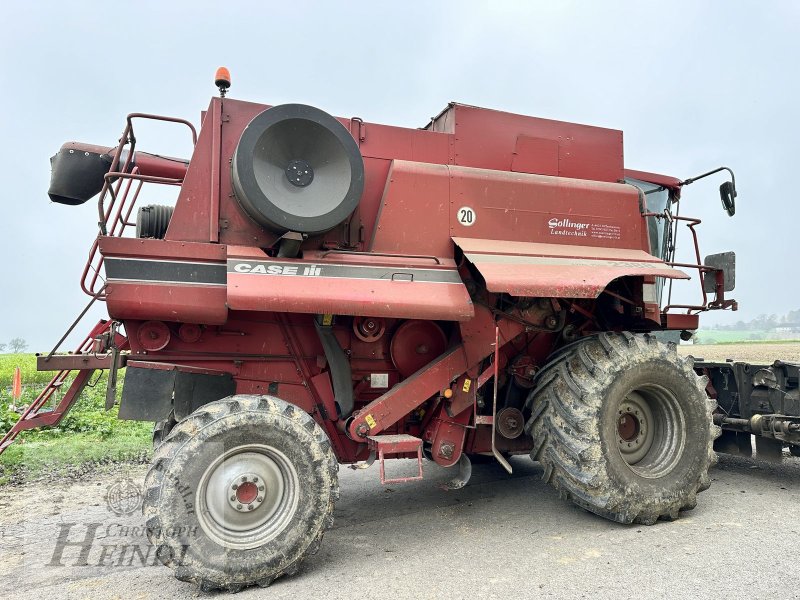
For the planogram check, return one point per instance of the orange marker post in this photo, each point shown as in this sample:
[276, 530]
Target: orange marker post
[16, 385]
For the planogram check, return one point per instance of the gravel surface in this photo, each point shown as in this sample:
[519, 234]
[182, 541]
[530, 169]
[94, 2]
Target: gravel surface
[503, 536]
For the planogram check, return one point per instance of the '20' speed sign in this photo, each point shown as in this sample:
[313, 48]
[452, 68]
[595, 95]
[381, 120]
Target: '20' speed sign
[466, 216]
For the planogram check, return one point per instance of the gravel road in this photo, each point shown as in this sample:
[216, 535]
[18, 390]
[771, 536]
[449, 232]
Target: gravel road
[503, 536]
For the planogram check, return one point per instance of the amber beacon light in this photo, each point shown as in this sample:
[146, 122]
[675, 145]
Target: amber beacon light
[222, 79]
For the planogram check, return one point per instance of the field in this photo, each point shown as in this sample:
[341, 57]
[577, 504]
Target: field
[753, 352]
[88, 435]
[731, 336]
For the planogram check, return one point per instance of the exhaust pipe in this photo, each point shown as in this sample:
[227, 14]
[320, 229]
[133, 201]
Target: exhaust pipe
[78, 170]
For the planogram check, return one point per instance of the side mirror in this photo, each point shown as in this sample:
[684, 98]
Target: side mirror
[727, 192]
[725, 262]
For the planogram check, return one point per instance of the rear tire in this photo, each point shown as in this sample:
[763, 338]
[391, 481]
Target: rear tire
[622, 426]
[240, 492]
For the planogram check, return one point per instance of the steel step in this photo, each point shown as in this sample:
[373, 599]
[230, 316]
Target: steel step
[384, 445]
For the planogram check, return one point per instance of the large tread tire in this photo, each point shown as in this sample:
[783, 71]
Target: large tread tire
[162, 429]
[181, 462]
[574, 417]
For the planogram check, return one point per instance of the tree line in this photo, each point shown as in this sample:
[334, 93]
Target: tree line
[763, 322]
[14, 346]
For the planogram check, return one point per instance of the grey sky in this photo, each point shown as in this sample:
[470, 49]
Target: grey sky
[693, 85]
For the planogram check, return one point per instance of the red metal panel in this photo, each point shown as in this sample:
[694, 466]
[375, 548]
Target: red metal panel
[446, 435]
[665, 180]
[149, 248]
[235, 226]
[406, 396]
[538, 271]
[681, 321]
[322, 385]
[486, 139]
[164, 366]
[535, 155]
[76, 362]
[376, 171]
[414, 212]
[389, 142]
[478, 335]
[167, 302]
[502, 247]
[348, 284]
[376, 298]
[524, 207]
[192, 211]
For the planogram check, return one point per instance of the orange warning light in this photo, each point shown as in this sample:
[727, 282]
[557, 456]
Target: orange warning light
[222, 79]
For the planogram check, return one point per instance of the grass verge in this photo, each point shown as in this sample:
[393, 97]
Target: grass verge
[87, 437]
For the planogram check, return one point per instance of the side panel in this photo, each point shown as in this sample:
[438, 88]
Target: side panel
[159, 279]
[487, 139]
[521, 207]
[347, 288]
[550, 270]
[414, 214]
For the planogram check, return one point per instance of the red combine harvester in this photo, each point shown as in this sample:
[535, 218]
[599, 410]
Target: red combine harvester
[328, 291]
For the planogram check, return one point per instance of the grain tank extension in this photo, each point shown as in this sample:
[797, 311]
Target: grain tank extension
[330, 291]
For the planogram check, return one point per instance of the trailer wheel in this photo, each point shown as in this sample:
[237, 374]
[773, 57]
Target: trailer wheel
[622, 426]
[162, 429]
[240, 492]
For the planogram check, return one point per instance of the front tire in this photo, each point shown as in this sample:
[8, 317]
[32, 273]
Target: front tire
[240, 492]
[162, 429]
[622, 426]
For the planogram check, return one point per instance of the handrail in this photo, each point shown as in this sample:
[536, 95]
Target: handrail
[117, 184]
[691, 223]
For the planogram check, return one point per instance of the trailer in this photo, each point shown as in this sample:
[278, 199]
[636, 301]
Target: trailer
[755, 403]
[330, 291]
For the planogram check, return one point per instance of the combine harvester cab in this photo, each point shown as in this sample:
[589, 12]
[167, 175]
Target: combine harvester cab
[328, 291]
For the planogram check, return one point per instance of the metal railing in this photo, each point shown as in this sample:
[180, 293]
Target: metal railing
[122, 184]
[719, 301]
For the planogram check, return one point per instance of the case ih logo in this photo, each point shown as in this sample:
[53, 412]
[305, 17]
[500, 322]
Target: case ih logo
[566, 227]
[307, 271]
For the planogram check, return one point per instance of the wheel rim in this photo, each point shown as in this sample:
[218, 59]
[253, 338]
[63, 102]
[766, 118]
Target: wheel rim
[247, 496]
[650, 431]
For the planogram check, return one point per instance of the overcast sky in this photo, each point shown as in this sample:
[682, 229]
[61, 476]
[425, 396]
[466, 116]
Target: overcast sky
[693, 85]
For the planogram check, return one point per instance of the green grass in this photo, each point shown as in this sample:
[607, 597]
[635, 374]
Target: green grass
[732, 343]
[88, 434]
[60, 456]
[26, 364]
[732, 336]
